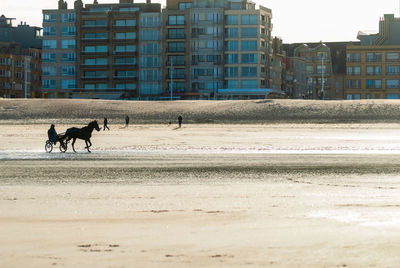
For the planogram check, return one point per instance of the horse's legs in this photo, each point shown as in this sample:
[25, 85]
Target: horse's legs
[87, 145]
[73, 142]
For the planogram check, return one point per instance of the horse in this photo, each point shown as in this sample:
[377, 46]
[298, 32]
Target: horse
[84, 133]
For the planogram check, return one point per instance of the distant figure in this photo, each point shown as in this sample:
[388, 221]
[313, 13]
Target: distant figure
[52, 134]
[180, 119]
[126, 121]
[105, 124]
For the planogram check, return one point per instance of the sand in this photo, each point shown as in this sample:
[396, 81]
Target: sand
[205, 195]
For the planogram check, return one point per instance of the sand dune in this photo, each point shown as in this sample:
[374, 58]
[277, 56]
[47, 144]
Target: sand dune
[253, 111]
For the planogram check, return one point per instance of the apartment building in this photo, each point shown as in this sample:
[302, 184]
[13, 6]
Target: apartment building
[92, 51]
[59, 51]
[20, 59]
[318, 69]
[277, 64]
[20, 71]
[215, 45]
[373, 65]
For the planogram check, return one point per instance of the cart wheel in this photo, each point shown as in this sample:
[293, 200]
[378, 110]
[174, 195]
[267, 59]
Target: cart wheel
[49, 146]
[63, 147]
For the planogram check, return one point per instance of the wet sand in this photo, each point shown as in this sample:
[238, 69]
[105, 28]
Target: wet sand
[281, 195]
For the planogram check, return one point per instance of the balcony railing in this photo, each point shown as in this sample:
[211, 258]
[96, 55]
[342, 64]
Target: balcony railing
[95, 77]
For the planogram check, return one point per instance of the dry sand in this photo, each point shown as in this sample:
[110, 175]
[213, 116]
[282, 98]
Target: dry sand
[206, 195]
[233, 112]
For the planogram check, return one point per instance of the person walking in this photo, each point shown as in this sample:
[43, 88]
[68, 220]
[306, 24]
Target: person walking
[126, 121]
[180, 119]
[105, 124]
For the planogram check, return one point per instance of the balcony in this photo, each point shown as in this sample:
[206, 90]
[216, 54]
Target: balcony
[179, 76]
[94, 66]
[94, 77]
[125, 64]
[175, 63]
[94, 39]
[125, 77]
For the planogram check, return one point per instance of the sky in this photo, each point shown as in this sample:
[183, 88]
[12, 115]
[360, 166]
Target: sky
[294, 21]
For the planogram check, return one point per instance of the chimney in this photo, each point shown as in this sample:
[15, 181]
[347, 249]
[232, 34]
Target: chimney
[148, 1]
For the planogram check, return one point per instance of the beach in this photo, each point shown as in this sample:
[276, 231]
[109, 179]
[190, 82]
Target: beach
[258, 194]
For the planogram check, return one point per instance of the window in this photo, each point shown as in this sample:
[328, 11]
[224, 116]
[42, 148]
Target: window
[370, 83]
[150, 21]
[49, 44]
[249, 71]
[232, 45]
[357, 70]
[49, 31]
[183, 6]
[378, 83]
[177, 73]
[232, 19]
[150, 61]
[176, 20]
[176, 86]
[125, 61]
[68, 31]
[68, 44]
[95, 49]
[392, 83]
[357, 57]
[49, 70]
[129, 35]
[129, 9]
[68, 57]
[249, 45]
[249, 19]
[176, 60]
[249, 58]
[150, 35]
[94, 36]
[5, 73]
[96, 61]
[5, 61]
[232, 84]
[349, 70]
[49, 57]
[95, 23]
[249, 84]
[127, 48]
[68, 70]
[392, 70]
[353, 83]
[125, 23]
[249, 32]
[392, 96]
[231, 72]
[49, 84]
[150, 75]
[176, 47]
[68, 17]
[128, 86]
[95, 74]
[392, 56]
[150, 48]
[125, 74]
[68, 84]
[49, 17]
[232, 32]
[231, 58]
[96, 86]
[176, 33]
